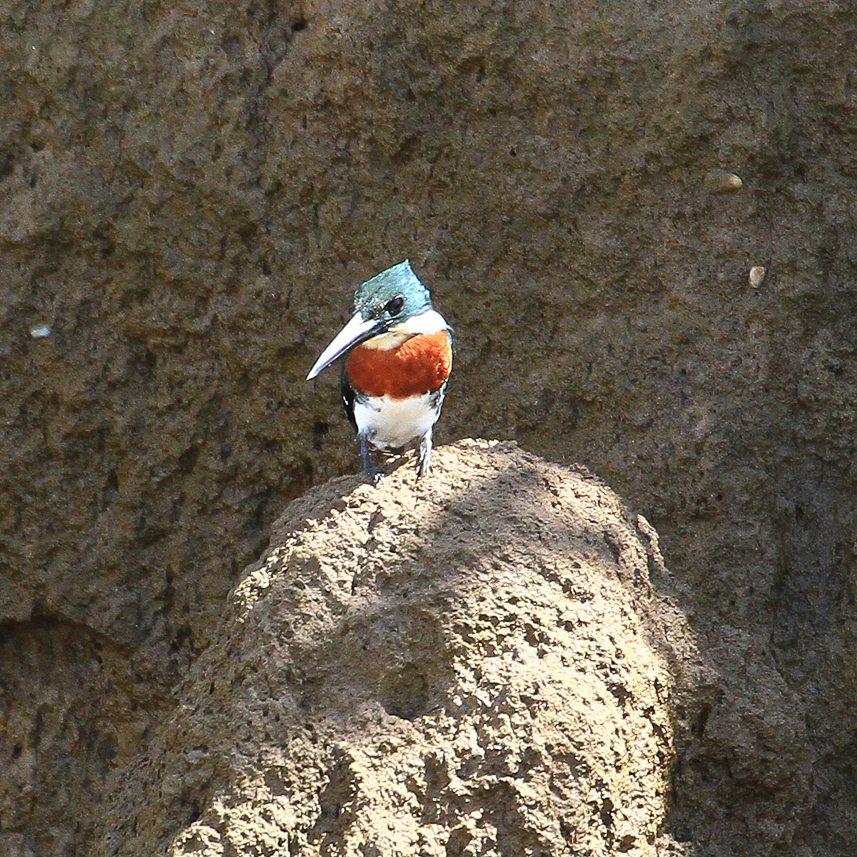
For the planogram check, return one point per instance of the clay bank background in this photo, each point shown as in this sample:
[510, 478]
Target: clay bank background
[189, 193]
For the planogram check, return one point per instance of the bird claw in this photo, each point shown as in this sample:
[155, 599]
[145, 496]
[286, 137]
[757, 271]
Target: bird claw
[424, 456]
[377, 476]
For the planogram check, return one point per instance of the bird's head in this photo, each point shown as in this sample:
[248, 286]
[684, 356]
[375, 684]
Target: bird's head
[390, 307]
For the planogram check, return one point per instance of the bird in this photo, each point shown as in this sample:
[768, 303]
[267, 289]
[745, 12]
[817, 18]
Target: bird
[397, 357]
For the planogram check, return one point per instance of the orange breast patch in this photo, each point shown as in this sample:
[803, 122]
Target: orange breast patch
[419, 365]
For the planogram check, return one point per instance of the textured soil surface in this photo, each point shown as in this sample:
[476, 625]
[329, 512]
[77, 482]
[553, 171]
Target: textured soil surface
[472, 663]
[189, 193]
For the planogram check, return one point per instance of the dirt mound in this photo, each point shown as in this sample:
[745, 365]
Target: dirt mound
[473, 663]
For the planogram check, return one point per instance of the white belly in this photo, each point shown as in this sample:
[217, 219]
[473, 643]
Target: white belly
[392, 423]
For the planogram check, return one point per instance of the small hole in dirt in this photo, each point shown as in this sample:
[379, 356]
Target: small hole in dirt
[405, 693]
[319, 430]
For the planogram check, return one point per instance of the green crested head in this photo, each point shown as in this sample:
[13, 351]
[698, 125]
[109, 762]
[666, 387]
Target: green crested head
[393, 304]
[393, 296]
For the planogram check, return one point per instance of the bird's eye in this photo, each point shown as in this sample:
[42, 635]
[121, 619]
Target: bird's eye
[394, 307]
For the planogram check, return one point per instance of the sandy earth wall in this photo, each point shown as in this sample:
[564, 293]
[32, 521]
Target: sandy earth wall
[189, 192]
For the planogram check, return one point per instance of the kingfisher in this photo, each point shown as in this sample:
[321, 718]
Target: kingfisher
[398, 356]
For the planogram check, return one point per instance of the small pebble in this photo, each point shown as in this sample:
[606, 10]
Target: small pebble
[757, 275]
[722, 181]
[40, 331]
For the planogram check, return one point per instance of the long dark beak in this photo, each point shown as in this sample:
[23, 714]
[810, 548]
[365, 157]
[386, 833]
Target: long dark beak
[356, 331]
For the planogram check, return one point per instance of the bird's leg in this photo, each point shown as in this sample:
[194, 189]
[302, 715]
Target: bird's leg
[375, 475]
[424, 458]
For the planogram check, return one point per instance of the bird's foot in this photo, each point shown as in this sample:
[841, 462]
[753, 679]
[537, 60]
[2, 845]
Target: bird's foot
[377, 476]
[424, 455]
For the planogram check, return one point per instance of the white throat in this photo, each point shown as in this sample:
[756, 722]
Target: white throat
[426, 322]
